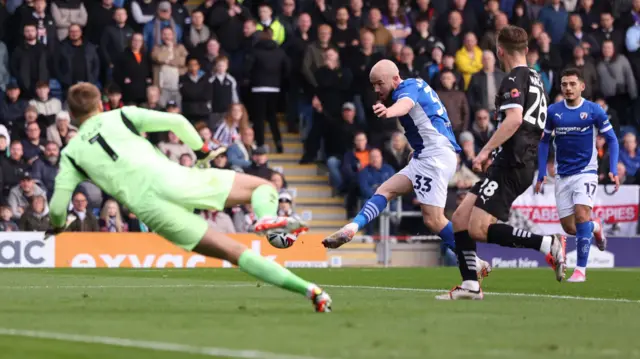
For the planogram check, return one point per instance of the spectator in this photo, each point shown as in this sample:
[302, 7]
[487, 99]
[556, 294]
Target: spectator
[66, 13]
[180, 13]
[132, 72]
[397, 152]
[21, 194]
[612, 115]
[198, 33]
[241, 151]
[195, 91]
[628, 18]
[153, 99]
[114, 98]
[352, 163]
[603, 159]
[172, 107]
[373, 175]
[36, 217]
[12, 107]
[13, 167]
[608, 32]
[630, 156]
[267, 67]
[313, 57]
[321, 12]
[221, 161]
[46, 32]
[218, 221]
[356, 14]
[554, 17]
[99, 17]
[623, 175]
[174, 148]
[209, 55]
[455, 101]
[259, 166]
[133, 223]
[343, 34]
[58, 131]
[6, 223]
[550, 60]
[484, 85]
[576, 35]
[205, 134]
[397, 21]
[382, 36]
[143, 12]
[278, 181]
[422, 41]
[47, 107]
[341, 142]
[589, 73]
[30, 61]
[432, 68]
[288, 16]
[115, 38]
[168, 65]
[533, 58]
[285, 204]
[224, 91]
[235, 121]
[452, 35]
[227, 20]
[5, 139]
[467, 17]
[70, 135]
[522, 16]
[408, 66]
[469, 58]
[154, 34]
[4, 66]
[266, 21]
[590, 15]
[488, 41]
[448, 63]
[77, 60]
[298, 94]
[423, 10]
[467, 143]
[489, 15]
[111, 219]
[80, 219]
[633, 46]
[45, 168]
[616, 79]
[32, 145]
[482, 128]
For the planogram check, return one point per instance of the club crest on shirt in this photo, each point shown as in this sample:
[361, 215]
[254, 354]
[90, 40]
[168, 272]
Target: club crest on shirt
[583, 115]
[515, 93]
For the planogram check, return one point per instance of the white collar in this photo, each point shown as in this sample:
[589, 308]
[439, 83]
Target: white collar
[575, 107]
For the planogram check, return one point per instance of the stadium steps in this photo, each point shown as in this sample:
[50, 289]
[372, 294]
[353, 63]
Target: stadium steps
[355, 255]
[321, 213]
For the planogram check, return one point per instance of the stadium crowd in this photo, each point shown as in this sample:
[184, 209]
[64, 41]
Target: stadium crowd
[230, 66]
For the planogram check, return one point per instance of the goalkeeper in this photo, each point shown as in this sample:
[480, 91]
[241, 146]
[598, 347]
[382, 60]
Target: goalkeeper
[110, 151]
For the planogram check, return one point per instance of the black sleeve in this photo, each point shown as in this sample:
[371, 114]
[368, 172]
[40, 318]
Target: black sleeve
[512, 92]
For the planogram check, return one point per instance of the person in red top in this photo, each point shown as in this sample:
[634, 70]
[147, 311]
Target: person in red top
[114, 98]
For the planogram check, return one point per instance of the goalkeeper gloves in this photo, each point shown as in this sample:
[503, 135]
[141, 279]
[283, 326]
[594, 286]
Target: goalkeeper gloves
[52, 232]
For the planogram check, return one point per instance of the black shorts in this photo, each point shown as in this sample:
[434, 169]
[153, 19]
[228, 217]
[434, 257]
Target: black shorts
[500, 187]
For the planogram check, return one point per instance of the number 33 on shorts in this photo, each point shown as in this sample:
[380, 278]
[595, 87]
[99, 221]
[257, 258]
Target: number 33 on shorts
[422, 184]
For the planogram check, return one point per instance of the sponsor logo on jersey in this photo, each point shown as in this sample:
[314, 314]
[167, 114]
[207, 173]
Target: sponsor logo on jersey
[583, 115]
[515, 93]
[565, 130]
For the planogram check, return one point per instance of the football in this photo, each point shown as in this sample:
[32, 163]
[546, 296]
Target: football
[281, 239]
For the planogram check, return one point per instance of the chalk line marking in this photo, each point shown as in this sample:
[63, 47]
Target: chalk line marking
[150, 345]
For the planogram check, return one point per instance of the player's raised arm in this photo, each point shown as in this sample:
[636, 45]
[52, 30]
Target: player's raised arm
[154, 121]
[606, 130]
[67, 180]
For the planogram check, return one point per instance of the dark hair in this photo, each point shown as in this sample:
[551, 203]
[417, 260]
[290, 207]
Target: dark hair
[30, 22]
[572, 71]
[513, 39]
[422, 18]
[41, 84]
[193, 58]
[112, 88]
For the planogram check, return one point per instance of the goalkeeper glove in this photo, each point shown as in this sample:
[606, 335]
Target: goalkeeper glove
[52, 232]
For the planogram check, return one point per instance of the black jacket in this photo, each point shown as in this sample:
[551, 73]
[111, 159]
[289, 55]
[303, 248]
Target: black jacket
[195, 96]
[29, 222]
[49, 25]
[295, 47]
[360, 66]
[89, 224]
[12, 114]
[228, 29]
[179, 13]
[477, 91]
[12, 172]
[334, 89]
[267, 65]
[64, 63]
[45, 173]
[98, 18]
[138, 73]
[617, 36]
[113, 42]
[29, 64]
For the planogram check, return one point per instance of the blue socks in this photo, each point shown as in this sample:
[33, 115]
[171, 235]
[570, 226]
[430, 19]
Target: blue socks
[371, 210]
[584, 232]
[447, 236]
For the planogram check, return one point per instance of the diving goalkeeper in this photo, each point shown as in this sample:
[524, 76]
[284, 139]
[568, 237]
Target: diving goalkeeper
[110, 151]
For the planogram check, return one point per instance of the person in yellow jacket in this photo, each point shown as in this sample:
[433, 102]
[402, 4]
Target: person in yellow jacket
[469, 58]
[265, 13]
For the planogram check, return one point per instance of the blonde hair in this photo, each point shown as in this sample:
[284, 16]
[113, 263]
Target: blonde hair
[104, 214]
[244, 120]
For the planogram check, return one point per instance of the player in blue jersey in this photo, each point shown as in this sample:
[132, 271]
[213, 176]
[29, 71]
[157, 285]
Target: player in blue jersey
[428, 130]
[576, 123]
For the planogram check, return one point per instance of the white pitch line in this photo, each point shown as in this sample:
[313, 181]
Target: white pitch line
[364, 287]
[151, 345]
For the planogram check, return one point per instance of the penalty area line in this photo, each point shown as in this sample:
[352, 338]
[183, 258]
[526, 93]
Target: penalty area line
[149, 345]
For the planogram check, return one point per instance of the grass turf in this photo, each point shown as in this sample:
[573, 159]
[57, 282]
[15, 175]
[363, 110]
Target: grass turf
[227, 309]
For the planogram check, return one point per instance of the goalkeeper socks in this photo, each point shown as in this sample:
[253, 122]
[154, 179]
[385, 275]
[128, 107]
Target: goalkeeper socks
[583, 242]
[448, 238]
[264, 201]
[508, 236]
[272, 273]
[371, 210]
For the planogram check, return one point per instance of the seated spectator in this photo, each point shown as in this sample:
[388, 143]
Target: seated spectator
[455, 102]
[4, 145]
[485, 84]
[617, 82]
[154, 29]
[234, 122]
[383, 37]
[70, 135]
[45, 168]
[464, 178]
[12, 107]
[224, 91]
[169, 60]
[221, 161]
[20, 195]
[469, 58]
[58, 131]
[467, 143]
[132, 72]
[259, 164]
[30, 60]
[33, 145]
[352, 163]
[240, 153]
[111, 219]
[133, 223]
[142, 12]
[343, 34]
[432, 68]
[36, 217]
[623, 176]
[153, 99]
[422, 41]
[285, 204]
[219, 221]
[197, 33]
[30, 116]
[172, 107]
[630, 155]
[185, 160]
[278, 181]
[47, 107]
[114, 98]
[174, 148]
[482, 128]
[266, 21]
[397, 152]
[195, 91]
[206, 134]
[397, 21]
[6, 222]
[115, 38]
[66, 13]
[80, 219]
[77, 60]
[13, 168]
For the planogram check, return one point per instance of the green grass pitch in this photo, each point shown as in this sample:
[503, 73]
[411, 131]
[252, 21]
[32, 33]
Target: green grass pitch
[378, 313]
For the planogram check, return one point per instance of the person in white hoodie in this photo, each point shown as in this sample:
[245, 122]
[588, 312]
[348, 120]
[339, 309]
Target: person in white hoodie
[46, 106]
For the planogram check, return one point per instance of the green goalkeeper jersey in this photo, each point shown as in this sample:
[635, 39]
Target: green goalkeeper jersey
[109, 151]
